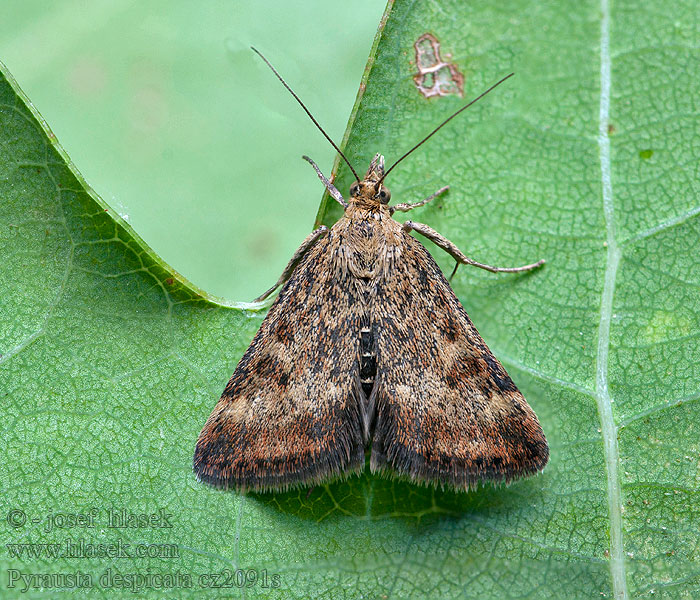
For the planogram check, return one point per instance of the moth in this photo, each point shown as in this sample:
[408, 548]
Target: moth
[367, 349]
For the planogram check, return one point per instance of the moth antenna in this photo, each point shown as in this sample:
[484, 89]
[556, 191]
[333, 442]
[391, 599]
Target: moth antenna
[291, 91]
[447, 120]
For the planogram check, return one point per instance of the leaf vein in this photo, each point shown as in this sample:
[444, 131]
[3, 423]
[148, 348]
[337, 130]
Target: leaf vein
[603, 398]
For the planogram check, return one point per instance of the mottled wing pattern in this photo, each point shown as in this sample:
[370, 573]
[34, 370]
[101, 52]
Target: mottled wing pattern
[446, 410]
[292, 411]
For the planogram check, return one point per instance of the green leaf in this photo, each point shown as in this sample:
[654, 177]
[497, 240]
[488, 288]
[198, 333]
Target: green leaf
[111, 361]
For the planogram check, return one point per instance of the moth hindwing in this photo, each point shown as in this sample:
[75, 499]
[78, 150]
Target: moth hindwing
[367, 347]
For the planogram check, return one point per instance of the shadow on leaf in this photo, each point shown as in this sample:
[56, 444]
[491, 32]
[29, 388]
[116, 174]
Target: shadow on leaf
[374, 498]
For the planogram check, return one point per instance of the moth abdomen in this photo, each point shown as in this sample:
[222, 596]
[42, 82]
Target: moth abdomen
[368, 360]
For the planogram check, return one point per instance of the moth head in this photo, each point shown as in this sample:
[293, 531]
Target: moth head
[371, 188]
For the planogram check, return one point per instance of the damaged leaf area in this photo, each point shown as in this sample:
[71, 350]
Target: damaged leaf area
[435, 77]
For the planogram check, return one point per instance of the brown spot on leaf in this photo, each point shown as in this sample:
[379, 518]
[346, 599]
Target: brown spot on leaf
[435, 77]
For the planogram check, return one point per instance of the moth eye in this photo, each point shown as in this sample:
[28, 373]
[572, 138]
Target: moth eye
[354, 188]
[384, 195]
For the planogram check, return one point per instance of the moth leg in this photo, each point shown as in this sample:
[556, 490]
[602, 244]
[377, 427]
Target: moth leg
[332, 190]
[458, 255]
[306, 245]
[453, 272]
[406, 206]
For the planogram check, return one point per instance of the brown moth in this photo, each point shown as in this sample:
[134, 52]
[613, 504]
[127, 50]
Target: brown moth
[367, 348]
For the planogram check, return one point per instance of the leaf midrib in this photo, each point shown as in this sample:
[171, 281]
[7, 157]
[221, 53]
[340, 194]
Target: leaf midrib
[602, 393]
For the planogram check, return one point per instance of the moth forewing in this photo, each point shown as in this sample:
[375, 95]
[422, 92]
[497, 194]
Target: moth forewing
[447, 411]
